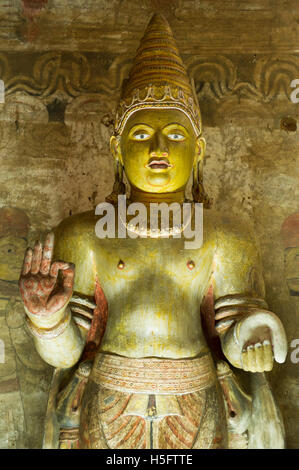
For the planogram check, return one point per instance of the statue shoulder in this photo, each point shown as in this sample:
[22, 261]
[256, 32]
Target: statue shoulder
[237, 263]
[229, 229]
[74, 242]
[74, 225]
[73, 234]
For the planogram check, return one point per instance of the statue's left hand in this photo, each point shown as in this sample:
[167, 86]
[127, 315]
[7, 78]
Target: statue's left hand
[262, 339]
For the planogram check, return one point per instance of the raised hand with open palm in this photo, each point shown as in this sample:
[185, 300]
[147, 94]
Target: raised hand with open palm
[42, 292]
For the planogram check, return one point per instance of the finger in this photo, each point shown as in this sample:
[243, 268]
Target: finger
[259, 357]
[268, 356]
[251, 359]
[61, 298]
[245, 360]
[37, 257]
[68, 275]
[47, 254]
[279, 342]
[58, 265]
[27, 262]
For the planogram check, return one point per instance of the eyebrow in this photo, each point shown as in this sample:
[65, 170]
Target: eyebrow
[150, 127]
[140, 124]
[175, 124]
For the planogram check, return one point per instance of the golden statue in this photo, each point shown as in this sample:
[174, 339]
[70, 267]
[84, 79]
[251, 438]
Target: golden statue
[134, 324]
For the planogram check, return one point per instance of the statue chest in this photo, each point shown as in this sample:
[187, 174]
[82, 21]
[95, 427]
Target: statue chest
[143, 267]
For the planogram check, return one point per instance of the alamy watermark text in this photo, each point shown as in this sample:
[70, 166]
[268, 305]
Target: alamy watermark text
[161, 220]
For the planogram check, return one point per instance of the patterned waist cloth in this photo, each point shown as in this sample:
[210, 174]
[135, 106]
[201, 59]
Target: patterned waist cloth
[153, 375]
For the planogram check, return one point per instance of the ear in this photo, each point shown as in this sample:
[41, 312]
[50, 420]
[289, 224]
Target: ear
[115, 148]
[200, 150]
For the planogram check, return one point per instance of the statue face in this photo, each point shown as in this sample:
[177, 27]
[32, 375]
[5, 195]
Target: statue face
[158, 149]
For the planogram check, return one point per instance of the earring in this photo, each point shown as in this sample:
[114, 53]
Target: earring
[119, 186]
[198, 190]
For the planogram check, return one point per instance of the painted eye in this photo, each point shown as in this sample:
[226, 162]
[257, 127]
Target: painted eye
[176, 136]
[141, 136]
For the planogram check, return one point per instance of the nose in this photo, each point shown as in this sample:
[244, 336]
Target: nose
[159, 146]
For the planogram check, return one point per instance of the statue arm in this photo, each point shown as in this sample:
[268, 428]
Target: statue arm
[60, 345]
[250, 334]
[46, 289]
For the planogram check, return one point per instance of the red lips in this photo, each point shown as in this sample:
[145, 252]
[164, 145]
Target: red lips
[159, 164]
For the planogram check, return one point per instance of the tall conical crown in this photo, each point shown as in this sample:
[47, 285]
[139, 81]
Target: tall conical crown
[158, 78]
